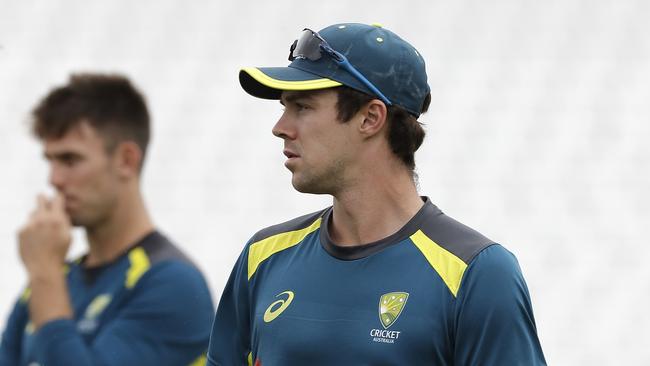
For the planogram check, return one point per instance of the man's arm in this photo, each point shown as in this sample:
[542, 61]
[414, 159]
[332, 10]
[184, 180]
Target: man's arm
[166, 322]
[494, 317]
[10, 346]
[43, 244]
[230, 342]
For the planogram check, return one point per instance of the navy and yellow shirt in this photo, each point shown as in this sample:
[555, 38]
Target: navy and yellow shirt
[434, 293]
[151, 306]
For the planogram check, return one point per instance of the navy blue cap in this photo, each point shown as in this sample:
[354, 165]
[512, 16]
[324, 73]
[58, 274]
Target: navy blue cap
[391, 64]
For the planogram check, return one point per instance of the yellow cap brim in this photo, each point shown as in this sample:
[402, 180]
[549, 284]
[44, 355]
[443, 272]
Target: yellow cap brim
[270, 82]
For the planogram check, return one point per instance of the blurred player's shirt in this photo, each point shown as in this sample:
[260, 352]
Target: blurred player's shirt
[434, 293]
[151, 306]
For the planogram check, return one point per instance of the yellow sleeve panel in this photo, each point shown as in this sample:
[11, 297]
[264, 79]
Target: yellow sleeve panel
[260, 251]
[200, 361]
[139, 265]
[448, 266]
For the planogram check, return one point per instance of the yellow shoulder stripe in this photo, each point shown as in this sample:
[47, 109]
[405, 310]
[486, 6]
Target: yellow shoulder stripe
[250, 359]
[200, 361]
[260, 251]
[449, 267]
[26, 295]
[266, 80]
[139, 265]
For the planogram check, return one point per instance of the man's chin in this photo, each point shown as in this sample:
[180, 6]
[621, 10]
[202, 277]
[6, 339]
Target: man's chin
[84, 219]
[307, 186]
[77, 221]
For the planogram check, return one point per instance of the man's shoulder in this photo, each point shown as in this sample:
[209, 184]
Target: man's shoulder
[155, 257]
[299, 223]
[158, 248]
[455, 237]
[157, 261]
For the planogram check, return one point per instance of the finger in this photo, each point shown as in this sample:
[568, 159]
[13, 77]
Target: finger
[41, 202]
[39, 212]
[58, 207]
[58, 202]
[44, 203]
[33, 216]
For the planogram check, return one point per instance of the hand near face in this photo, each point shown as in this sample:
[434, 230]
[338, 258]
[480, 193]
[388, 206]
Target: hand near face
[45, 239]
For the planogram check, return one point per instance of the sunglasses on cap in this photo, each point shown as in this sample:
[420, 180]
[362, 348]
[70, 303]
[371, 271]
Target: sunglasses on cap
[311, 46]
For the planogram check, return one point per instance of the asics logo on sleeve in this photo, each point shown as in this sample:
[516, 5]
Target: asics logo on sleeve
[277, 307]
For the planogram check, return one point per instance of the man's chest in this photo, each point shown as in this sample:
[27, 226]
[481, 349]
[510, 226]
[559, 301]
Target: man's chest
[379, 310]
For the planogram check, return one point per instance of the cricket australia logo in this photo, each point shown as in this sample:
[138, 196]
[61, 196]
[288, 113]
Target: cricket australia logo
[89, 322]
[390, 308]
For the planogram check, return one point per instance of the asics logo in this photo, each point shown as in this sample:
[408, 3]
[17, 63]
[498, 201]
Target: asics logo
[278, 306]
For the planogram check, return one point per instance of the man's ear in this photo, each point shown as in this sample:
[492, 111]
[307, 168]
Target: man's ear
[128, 159]
[374, 118]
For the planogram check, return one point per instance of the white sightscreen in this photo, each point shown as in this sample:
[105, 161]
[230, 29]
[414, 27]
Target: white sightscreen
[537, 135]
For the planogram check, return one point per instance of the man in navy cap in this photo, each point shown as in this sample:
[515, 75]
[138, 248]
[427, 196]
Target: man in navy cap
[382, 277]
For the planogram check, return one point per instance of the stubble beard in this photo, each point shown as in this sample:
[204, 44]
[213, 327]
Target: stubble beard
[85, 221]
[327, 181]
[94, 216]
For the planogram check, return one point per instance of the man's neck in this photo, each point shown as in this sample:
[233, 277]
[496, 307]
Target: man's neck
[128, 223]
[373, 209]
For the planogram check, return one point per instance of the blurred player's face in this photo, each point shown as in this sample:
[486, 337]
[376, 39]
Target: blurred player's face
[319, 148]
[84, 172]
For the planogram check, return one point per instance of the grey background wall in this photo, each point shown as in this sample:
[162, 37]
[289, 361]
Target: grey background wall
[537, 135]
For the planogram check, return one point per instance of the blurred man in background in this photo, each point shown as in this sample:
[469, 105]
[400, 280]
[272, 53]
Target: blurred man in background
[133, 298]
[382, 277]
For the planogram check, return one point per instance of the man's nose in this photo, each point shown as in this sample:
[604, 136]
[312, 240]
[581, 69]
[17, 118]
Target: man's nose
[283, 128]
[57, 176]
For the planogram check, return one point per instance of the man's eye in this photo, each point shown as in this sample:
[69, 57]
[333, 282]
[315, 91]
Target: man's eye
[69, 160]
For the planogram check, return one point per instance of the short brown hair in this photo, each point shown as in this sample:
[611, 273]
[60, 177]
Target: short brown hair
[405, 133]
[108, 102]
